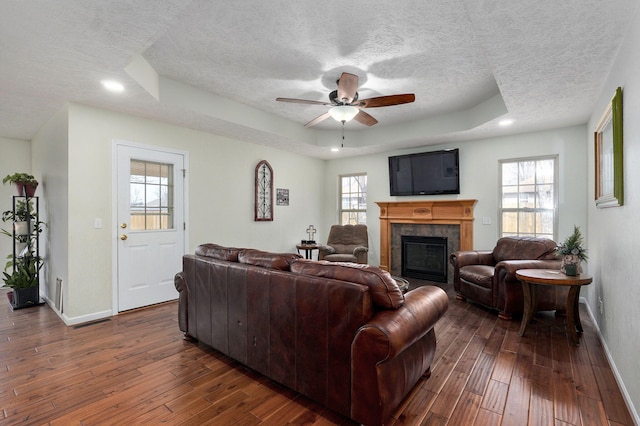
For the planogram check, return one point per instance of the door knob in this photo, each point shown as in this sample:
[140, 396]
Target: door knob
[123, 237]
[123, 225]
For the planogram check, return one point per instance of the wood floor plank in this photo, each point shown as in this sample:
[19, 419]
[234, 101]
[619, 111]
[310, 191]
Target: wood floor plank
[495, 396]
[135, 368]
[565, 397]
[466, 409]
[450, 394]
[413, 408]
[592, 411]
[487, 418]
[503, 368]
[612, 399]
[583, 376]
[540, 411]
[517, 403]
[479, 376]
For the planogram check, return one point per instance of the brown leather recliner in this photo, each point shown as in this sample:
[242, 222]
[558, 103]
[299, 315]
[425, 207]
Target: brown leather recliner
[488, 277]
[346, 243]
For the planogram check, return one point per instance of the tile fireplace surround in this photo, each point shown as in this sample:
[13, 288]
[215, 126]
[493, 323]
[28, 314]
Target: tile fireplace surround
[458, 213]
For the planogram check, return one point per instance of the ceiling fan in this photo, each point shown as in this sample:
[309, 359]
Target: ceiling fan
[346, 105]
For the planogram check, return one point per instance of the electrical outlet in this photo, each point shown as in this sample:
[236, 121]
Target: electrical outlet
[600, 305]
[486, 220]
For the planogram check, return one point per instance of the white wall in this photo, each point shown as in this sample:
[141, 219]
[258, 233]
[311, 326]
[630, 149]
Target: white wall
[613, 234]
[50, 163]
[221, 196]
[15, 158]
[479, 170]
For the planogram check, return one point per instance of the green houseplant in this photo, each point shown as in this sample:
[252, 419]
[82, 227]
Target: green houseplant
[572, 252]
[25, 183]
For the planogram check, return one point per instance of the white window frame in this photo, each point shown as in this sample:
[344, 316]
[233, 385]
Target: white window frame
[356, 210]
[502, 209]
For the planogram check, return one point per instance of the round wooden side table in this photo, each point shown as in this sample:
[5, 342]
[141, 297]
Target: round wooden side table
[308, 249]
[532, 278]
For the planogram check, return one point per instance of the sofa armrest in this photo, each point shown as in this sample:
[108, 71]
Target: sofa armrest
[506, 269]
[324, 250]
[360, 249]
[181, 285]
[507, 290]
[471, 257]
[380, 371]
[390, 331]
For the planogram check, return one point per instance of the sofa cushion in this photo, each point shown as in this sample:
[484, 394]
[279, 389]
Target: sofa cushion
[218, 252]
[524, 248]
[266, 259]
[481, 275]
[339, 257]
[385, 292]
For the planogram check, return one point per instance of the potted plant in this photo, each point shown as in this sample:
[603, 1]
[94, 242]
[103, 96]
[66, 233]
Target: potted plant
[572, 252]
[25, 183]
[24, 281]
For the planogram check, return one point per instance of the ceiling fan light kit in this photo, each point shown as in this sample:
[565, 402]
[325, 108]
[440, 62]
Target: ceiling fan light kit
[343, 113]
[346, 106]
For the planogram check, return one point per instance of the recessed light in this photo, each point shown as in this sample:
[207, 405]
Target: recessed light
[113, 86]
[335, 149]
[506, 122]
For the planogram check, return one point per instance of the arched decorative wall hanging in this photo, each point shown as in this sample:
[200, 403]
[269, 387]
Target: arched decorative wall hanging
[264, 192]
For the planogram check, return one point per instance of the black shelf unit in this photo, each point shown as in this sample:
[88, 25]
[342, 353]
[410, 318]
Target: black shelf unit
[26, 247]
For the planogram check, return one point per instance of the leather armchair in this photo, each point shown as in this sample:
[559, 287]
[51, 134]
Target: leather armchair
[488, 277]
[346, 243]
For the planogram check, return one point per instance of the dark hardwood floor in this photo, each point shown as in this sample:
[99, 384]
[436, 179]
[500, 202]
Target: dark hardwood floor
[136, 369]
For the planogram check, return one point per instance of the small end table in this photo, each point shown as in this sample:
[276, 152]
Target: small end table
[403, 284]
[308, 249]
[532, 278]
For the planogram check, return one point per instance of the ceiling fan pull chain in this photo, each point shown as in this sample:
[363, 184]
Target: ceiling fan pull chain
[342, 144]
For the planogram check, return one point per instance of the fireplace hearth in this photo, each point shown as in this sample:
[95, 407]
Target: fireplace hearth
[424, 258]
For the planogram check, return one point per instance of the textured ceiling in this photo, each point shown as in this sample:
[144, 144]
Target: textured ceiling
[218, 66]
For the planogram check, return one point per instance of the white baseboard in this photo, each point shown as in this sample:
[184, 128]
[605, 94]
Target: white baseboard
[70, 321]
[612, 364]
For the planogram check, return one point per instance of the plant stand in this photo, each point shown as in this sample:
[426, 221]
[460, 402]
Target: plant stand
[25, 258]
[24, 297]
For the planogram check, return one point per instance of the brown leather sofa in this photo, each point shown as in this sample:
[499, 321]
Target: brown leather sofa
[488, 276]
[342, 334]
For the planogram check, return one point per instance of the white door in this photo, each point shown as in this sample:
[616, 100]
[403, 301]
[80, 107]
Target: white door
[150, 225]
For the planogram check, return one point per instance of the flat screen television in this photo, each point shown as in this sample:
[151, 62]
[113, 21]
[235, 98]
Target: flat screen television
[425, 173]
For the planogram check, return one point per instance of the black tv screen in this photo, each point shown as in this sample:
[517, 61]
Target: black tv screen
[425, 173]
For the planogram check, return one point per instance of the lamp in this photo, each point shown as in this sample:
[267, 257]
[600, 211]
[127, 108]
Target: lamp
[343, 113]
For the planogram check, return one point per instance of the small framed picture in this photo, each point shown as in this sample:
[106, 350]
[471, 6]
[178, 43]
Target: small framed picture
[282, 197]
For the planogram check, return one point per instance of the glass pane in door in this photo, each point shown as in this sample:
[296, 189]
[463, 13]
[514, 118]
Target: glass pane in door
[151, 196]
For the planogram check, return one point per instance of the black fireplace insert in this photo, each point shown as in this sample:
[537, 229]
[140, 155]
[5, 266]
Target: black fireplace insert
[424, 258]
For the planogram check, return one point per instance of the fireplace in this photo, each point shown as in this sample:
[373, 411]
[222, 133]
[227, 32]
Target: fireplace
[424, 258]
[452, 219]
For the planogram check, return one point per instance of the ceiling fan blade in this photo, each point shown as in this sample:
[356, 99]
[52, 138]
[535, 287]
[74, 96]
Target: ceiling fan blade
[318, 119]
[365, 118]
[347, 87]
[382, 101]
[302, 101]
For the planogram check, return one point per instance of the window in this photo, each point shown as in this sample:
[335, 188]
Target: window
[353, 199]
[528, 197]
[151, 195]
